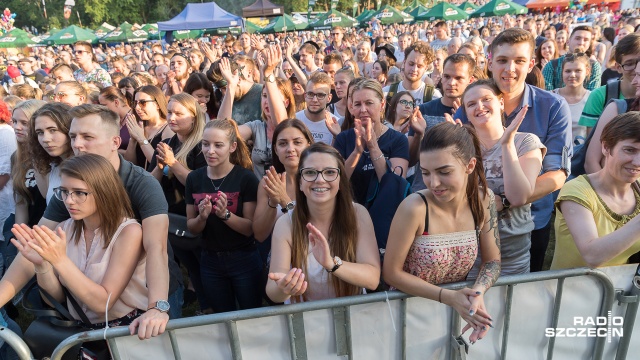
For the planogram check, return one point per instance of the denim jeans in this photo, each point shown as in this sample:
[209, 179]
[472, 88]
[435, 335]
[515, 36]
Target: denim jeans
[232, 276]
[175, 302]
[191, 261]
[6, 352]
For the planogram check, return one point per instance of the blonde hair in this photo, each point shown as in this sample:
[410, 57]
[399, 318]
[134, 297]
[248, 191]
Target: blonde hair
[369, 57]
[195, 136]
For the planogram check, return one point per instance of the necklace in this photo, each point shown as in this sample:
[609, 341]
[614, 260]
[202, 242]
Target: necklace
[158, 132]
[214, 185]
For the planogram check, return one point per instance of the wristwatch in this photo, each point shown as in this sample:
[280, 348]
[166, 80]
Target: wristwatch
[337, 262]
[226, 216]
[505, 202]
[270, 78]
[290, 206]
[145, 142]
[161, 305]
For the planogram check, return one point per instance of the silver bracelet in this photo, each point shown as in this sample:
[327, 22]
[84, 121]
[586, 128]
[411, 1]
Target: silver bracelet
[378, 158]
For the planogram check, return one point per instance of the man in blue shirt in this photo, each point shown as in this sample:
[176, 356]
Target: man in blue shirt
[548, 117]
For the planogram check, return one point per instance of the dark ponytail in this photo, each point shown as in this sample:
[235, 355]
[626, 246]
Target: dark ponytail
[466, 145]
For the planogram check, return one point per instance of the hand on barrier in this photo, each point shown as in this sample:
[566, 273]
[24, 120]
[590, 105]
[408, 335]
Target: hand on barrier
[151, 323]
[291, 283]
[469, 303]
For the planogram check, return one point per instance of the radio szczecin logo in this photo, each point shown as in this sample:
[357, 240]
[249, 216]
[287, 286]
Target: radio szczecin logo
[590, 327]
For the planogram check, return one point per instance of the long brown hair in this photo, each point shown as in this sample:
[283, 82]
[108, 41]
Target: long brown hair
[59, 113]
[286, 89]
[112, 201]
[241, 156]
[20, 160]
[343, 233]
[466, 146]
[157, 95]
[286, 124]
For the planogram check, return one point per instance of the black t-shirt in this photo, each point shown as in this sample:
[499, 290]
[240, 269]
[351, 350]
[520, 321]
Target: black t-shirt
[141, 160]
[147, 200]
[240, 186]
[172, 187]
[38, 203]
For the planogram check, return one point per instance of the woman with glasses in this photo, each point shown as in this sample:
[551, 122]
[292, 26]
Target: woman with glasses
[97, 254]
[511, 162]
[221, 203]
[277, 105]
[71, 93]
[150, 106]
[49, 145]
[326, 247]
[436, 233]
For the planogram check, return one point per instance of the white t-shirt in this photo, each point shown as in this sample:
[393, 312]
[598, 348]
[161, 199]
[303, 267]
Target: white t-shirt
[576, 112]
[417, 93]
[318, 129]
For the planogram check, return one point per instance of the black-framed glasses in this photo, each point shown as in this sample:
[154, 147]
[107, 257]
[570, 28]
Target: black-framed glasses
[630, 66]
[407, 103]
[310, 95]
[63, 194]
[141, 102]
[311, 174]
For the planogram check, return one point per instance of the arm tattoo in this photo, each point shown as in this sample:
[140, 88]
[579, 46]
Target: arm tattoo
[493, 219]
[489, 273]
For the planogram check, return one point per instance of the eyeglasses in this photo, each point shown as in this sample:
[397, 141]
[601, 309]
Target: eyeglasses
[630, 65]
[311, 175]
[407, 103]
[310, 95]
[142, 102]
[77, 196]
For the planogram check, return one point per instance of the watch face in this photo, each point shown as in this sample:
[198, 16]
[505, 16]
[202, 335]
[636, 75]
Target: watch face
[290, 206]
[163, 305]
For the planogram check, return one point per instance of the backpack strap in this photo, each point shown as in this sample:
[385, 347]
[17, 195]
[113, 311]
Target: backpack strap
[427, 95]
[613, 91]
[426, 215]
[393, 89]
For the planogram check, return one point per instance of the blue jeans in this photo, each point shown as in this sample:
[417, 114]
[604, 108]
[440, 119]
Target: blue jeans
[6, 352]
[7, 249]
[231, 276]
[175, 301]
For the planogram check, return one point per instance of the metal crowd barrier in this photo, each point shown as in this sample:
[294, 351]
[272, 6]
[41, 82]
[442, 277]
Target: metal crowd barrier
[342, 321]
[12, 339]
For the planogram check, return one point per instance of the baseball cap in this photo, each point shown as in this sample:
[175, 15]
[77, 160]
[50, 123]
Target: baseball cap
[13, 72]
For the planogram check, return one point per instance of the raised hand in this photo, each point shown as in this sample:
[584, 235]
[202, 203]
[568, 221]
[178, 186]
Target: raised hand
[510, 132]
[165, 154]
[23, 238]
[291, 283]
[205, 207]
[319, 247]
[449, 118]
[276, 186]
[332, 123]
[288, 50]
[208, 51]
[51, 246]
[225, 71]
[273, 57]
[136, 131]
[359, 131]
[417, 122]
[220, 205]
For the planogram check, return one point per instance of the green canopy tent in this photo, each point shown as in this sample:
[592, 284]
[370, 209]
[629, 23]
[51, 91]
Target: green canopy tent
[499, 8]
[152, 30]
[284, 23]
[48, 34]
[18, 38]
[104, 29]
[468, 7]
[443, 11]
[365, 15]
[184, 34]
[389, 15]
[332, 19]
[251, 28]
[71, 35]
[125, 33]
[224, 31]
[414, 4]
[417, 11]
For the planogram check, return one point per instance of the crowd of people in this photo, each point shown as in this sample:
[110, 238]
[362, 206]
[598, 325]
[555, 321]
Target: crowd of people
[280, 169]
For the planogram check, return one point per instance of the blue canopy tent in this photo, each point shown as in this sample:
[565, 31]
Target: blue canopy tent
[198, 17]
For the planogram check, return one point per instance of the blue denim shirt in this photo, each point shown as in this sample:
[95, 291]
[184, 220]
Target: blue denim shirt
[549, 118]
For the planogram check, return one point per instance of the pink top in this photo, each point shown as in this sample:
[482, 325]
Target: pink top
[94, 266]
[442, 258]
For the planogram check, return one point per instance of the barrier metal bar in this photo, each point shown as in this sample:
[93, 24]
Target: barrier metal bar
[608, 298]
[630, 316]
[174, 345]
[403, 329]
[555, 316]
[507, 322]
[17, 344]
[232, 329]
[297, 338]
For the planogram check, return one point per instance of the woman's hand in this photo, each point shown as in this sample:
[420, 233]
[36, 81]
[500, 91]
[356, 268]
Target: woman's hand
[273, 57]
[417, 122]
[288, 50]
[469, 303]
[320, 247]
[135, 130]
[276, 186]
[449, 118]
[510, 132]
[205, 207]
[225, 71]
[359, 131]
[291, 283]
[220, 205]
[369, 137]
[332, 124]
[51, 246]
[23, 238]
[165, 154]
[543, 62]
[256, 43]
[208, 52]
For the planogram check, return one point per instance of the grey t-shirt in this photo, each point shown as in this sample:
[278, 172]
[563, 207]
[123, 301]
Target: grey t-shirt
[248, 107]
[515, 225]
[261, 152]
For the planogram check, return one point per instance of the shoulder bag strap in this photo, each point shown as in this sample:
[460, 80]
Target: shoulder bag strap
[76, 306]
[60, 310]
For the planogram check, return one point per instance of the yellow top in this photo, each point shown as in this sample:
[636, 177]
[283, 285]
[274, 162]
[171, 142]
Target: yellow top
[580, 191]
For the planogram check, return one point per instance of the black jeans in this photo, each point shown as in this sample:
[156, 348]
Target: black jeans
[539, 243]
